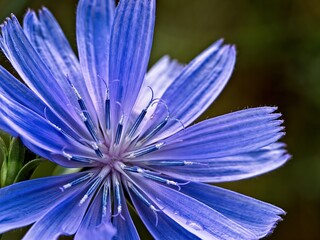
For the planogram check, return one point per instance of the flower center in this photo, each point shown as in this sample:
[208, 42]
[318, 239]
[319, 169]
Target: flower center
[120, 141]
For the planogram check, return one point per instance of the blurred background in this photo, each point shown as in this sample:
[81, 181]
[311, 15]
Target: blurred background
[278, 64]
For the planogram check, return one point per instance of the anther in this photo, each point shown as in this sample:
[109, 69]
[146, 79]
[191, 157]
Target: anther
[175, 163]
[85, 116]
[96, 149]
[150, 175]
[54, 125]
[119, 131]
[144, 200]
[75, 182]
[141, 116]
[92, 189]
[137, 122]
[118, 200]
[164, 180]
[105, 196]
[107, 104]
[96, 183]
[132, 169]
[107, 110]
[144, 150]
[157, 128]
[89, 125]
[76, 158]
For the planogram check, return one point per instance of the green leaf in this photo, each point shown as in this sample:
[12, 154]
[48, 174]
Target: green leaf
[27, 170]
[3, 173]
[3, 151]
[62, 171]
[44, 169]
[3, 159]
[6, 138]
[14, 161]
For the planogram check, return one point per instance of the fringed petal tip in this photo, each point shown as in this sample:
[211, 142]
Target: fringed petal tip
[224, 169]
[8, 20]
[230, 134]
[273, 226]
[202, 80]
[256, 216]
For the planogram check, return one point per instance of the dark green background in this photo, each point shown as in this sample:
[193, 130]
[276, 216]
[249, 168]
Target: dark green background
[278, 63]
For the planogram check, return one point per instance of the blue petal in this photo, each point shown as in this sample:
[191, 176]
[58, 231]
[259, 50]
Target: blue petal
[93, 226]
[12, 88]
[165, 228]
[63, 219]
[94, 21]
[256, 216]
[199, 84]
[235, 133]
[35, 73]
[105, 231]
[158, 78]
[48, 40]
[196, 217]
[24, 203]
[228, 168]
[44, 136]
[6, 128]
[131, 40]
[14, 91]
[125, 227]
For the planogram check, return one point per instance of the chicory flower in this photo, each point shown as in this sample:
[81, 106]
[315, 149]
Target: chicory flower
[129, 131]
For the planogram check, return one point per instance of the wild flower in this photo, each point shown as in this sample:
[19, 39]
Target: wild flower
[129, 131]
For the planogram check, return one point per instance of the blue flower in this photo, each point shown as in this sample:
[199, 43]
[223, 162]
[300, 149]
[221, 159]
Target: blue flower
[129, 132]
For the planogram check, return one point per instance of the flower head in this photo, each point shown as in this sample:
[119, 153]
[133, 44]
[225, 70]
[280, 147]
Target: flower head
[129, 132]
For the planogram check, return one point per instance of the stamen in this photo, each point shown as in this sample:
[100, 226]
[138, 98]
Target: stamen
[54, 125]
[92, 189]
[153, 132]
[179, 121]
[96, 149]
[85, 116]
[89, 125]
[116, 186]
[108, 109]
[144, 200]
[107, 104]
[145, 150]
[154, 177]
[158, 127]
[105, 196]
[96, 183]
[141, 116]
[159, 100]
[137, 122]
[119, 131]
[76, 158]
[164, 180]
[75, 182]
[175, 163]
[132, 169]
